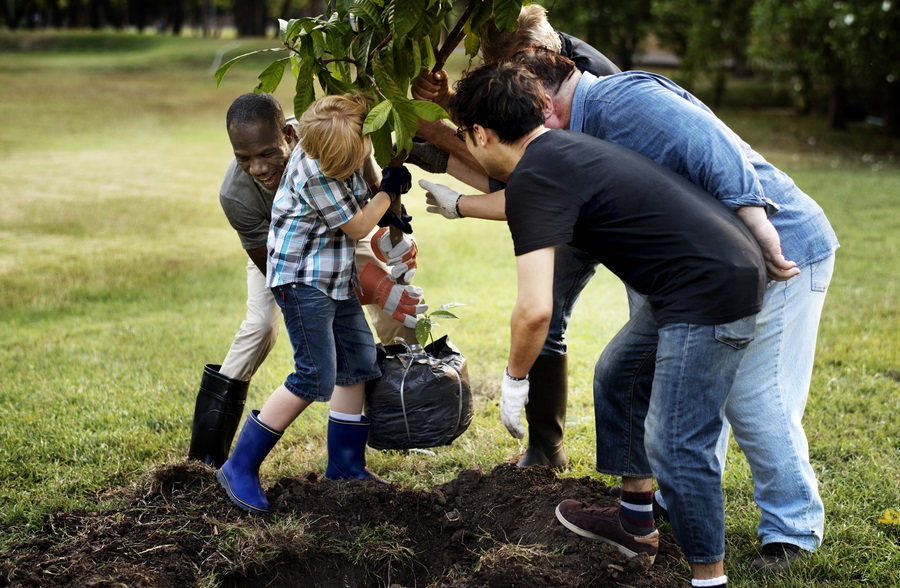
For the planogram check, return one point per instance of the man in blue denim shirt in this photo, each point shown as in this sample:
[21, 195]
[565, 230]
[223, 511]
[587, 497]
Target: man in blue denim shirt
[651, 115]
[696, 262]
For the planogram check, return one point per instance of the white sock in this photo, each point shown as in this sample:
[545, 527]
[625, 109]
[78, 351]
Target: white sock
[720, 581]
[343, 416]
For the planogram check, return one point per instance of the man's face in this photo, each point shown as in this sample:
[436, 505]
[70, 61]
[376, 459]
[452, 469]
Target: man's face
[484, 155]
[262, 151]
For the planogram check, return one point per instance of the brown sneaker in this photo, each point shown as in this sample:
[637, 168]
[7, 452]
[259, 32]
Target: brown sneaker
[602, 523]
[777, 556]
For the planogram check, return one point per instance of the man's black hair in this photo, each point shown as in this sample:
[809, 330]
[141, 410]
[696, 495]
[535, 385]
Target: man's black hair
[501, 97]
[252, 108]
[551, 68]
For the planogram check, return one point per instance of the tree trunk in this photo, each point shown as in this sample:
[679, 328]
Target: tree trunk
[837, 107]
[250, 18]
[892, 116]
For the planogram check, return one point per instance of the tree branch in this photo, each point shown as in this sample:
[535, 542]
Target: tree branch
[454, 37]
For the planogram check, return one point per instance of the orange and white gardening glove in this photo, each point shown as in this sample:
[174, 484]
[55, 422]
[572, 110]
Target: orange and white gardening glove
[401, 258]
[401, 302]
[513, 398]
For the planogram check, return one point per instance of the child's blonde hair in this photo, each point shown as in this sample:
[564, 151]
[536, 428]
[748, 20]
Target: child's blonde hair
[331, 133]
[534, 31]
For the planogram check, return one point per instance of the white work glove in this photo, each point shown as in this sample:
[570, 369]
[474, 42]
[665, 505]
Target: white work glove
[401, 302]
[401, 258]
[513, 398]
[441, 199]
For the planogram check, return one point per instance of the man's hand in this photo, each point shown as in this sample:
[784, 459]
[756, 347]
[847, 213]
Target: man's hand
[401, 258]
[777, 267]
[513, 398]
[401, 302]
[441, 199]
[432, 87]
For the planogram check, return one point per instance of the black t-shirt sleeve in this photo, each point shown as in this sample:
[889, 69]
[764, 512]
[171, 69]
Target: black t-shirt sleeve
[586, 58]
[538, 212]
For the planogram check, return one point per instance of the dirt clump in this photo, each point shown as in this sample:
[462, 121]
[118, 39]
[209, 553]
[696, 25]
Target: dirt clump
[491, 530]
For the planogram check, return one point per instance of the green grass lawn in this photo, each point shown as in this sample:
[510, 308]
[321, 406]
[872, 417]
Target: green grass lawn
[120, 278]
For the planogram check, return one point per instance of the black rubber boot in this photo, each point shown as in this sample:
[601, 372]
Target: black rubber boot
[546, 412]
[220, 404]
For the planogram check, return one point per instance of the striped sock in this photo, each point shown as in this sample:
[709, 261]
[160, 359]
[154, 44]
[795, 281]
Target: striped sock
[636, 512]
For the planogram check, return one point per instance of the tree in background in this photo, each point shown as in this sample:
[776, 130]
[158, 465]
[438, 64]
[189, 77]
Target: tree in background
[709, 39]
[614, 28]
[832, 48]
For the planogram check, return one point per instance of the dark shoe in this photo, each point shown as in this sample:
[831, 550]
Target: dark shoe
[777, 556]
[239, 475]
[347, 450]
[659, 513]
[217, 414]
[602, 523]
[546, 412]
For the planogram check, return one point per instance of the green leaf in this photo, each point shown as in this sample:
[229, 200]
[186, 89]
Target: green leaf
[270, 78]
[343, 7]
[449, 305]
[406, 122]
[423, 330]
[428, 110]
[404, 15]
[444, 314]
[305, 92]
[386, 84]
[506, 14]
[430, 59]
[220, 73]
[333, 85]
[377, 117]
[290, 29]
[382, 145]
[472, 43]
[369, 13]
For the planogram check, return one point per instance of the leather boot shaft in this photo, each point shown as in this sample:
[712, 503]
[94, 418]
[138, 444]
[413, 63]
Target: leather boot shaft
[217, 414]
[546, 412]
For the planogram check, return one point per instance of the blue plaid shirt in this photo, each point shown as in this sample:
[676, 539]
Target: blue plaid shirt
[306, 243]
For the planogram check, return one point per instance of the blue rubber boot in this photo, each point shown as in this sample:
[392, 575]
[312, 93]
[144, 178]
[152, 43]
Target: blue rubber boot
[239, 475]
[347, 450]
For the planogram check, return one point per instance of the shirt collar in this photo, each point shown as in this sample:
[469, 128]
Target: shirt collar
[576, 118]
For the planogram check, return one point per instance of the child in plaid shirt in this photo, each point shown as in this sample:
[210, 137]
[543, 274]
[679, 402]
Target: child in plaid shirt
[322, 207]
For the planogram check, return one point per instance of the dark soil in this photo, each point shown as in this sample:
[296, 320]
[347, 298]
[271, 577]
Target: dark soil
[177, 529]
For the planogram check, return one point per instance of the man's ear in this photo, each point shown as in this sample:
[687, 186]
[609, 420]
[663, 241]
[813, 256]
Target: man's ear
[290, 134]
[481, 135]
[549, 108]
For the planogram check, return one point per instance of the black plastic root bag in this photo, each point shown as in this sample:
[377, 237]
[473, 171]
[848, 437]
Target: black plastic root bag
[422, 399]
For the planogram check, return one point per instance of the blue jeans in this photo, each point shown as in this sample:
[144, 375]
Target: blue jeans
[572, 270]
[766, 405]
[671, 429]
[331, 340]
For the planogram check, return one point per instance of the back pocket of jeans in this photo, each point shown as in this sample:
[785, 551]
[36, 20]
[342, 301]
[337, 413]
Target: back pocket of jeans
[737, 334]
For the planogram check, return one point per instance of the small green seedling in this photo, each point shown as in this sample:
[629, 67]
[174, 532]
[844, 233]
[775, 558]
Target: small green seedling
[426, 322]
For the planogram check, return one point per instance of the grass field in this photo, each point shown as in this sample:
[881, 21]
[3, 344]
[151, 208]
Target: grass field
[120, 278]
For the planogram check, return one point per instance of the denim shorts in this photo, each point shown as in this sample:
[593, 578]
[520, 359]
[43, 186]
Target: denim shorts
[331, 340]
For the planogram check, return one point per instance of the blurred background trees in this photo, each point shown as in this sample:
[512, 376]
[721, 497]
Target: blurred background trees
[836, 57]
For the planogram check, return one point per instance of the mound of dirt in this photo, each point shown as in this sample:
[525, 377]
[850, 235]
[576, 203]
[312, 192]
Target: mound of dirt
[177, 529]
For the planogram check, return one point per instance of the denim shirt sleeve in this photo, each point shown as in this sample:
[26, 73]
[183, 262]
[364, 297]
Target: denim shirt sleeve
[656, 118]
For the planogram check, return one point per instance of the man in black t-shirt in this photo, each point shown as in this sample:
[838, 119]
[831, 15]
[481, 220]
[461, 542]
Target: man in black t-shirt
[546, 410]
[699, 267]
